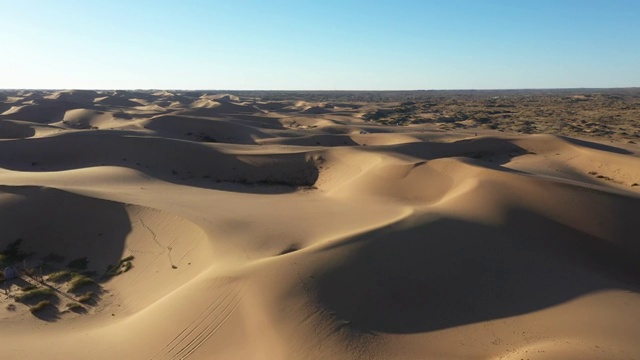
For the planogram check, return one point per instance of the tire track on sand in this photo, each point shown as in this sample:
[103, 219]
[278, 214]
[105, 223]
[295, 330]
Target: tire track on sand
[205, 325]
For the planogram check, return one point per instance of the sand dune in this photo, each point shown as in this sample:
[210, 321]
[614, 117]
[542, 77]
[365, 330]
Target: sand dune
[120, 100]
[73, 95]
[205, 103]
[12, 129]
[86, 119]
[216, 226]
[210, 109]
[203, 129]
[44, 111]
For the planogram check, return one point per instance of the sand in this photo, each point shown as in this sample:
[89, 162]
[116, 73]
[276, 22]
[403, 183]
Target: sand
[248, 228]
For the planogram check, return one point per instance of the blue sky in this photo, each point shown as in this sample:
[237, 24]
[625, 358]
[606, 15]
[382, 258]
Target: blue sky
[323, 45]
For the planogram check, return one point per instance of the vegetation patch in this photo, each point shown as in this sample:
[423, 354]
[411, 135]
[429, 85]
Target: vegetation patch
[61, 276]
[79, 280]
[34, 293]
[599, 113]
[75, 307]
[73, 279]
[87, 297]
[122, 266]
[28, 287]
[40, 306]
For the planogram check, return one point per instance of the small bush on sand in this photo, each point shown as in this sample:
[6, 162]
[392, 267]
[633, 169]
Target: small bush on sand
[39, 306]
[122, 266]
[28, 287]
[88, 296]
[126, 266]
[60, 276]
[79, 281]
[74, 307]
[34, 293]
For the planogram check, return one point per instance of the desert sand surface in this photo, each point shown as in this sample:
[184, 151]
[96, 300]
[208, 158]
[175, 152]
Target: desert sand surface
[257, 225]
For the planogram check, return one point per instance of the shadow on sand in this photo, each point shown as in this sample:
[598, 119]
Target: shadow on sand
[450, 272]
[56, 228]
[175, 161]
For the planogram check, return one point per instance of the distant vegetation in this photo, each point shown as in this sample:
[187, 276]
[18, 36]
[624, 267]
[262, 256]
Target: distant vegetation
[583, 113]
[412, 95]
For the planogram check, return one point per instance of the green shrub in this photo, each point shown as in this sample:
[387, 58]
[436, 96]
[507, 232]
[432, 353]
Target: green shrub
[122, 266]
[88, 296]
[39, 306]
[74, 307]
[79, 281]
[34, 293]
[60, 276]
[28, 287]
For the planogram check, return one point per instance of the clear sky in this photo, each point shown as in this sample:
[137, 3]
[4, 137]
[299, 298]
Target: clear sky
[323, 45]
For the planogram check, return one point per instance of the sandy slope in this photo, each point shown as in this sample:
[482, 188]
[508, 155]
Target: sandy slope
[275, 230]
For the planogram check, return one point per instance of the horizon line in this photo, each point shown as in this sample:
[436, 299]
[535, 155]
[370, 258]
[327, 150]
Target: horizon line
[328, 90]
